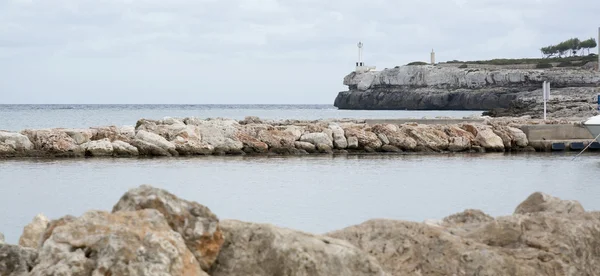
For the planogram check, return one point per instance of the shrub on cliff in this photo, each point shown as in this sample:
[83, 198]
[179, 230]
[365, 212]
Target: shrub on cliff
[418, 63]
[543, 65]
[463, 66]
[565, 64]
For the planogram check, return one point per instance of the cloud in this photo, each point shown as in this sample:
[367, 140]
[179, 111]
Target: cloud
[252, 51]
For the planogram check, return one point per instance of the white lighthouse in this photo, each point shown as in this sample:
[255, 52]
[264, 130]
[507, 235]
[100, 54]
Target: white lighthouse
[432, 57]
[360, 64]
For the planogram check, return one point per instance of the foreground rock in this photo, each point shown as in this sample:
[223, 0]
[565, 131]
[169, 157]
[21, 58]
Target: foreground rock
[16, 260]
[542, 238]
[262, 249]
[198, 226]
[515, 91]
[123, 243]
[33, 232]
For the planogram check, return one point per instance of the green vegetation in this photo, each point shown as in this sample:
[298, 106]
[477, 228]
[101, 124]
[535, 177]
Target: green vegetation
[418, 63]
[504, 61]
[543, 65]
[463, 66]
[569, 47]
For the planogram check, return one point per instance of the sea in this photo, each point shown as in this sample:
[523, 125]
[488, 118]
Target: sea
[315, 194]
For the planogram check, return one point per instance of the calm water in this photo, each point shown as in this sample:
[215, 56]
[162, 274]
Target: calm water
[315, 194]
[18, 117]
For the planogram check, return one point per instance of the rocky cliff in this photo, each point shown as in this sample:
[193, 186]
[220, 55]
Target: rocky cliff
[152, 232]
[430, 87]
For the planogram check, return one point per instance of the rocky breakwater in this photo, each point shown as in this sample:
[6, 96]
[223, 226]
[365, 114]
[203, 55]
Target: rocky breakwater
[510, 92]
[193, 136]
[153, 232]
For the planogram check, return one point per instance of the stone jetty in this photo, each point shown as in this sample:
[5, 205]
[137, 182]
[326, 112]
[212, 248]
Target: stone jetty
[153, 232]
[501, 91]
[193, 136]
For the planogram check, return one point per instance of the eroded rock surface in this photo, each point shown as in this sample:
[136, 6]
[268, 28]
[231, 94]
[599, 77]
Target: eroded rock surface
[122, 243]
[264, 250]
[33, 232]
[198, 226]
[16, 260]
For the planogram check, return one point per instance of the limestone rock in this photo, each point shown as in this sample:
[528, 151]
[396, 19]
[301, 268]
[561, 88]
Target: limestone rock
[488, 139]
[317, 138]
[16, 260]
[466, 217]
[277, 138]
[198, 226]
[339, 138]
[33, 232]
[98, 148]
[383, 138]
[149, 143]
[81, 136]
[122, 243]
[262, 249]
[308, 147]
[518, 136]
[394, 136]
[53, 141]
[121, 148]
[251, 144]
[390, 148]
[540, 202]
[219, 133]
[427, 137]
[366, 139]
[352, 142]
[15, 141]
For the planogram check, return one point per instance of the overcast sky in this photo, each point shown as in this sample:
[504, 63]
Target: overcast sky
[253, 51]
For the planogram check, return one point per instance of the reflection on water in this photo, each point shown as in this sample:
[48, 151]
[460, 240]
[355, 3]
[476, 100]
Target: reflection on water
[311, 193]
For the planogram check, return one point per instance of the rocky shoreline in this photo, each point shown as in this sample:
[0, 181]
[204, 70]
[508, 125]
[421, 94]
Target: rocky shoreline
[502, 92]
[252, 136]
[153, 232]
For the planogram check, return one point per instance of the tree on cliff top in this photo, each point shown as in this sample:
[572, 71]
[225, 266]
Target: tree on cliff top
[570, 46]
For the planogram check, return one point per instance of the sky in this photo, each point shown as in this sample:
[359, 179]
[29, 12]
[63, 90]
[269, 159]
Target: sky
[253, 51]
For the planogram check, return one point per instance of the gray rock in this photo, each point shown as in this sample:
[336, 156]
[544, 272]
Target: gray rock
[153, 144]
[317, 138]
[540, 202]
[15, 141]
[121, 148]
[124, 243]
[352, 142]
[198, 226]
[53, 142]
[264, 250]
[219, 133]
[32, 233]
[339, 138]
[16, 260]
[98, 148]
[308, 147]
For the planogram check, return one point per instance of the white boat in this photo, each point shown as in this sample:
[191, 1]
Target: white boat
[593, 126]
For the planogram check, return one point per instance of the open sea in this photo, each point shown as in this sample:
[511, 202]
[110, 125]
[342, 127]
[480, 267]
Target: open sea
[310, 193]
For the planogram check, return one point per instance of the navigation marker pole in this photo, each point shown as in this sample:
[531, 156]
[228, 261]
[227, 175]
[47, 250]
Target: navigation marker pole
[546, 91]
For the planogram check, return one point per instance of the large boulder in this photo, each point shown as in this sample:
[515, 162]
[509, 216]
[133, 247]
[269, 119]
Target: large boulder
[276, 138]
[458, 139]
[540, 202]
[427, 137]
[32, 233]
[339, 138]
[198, 226]
[365, 138]
[54, 142]
[98, 148]
[15, 141]
[121, 148]
[473, 243]
[317, 139]
[518, 136]
[149, 143]
[218, 133]
[394, 136]
[264, 250]
[16, 260]
[122, 243]
[487, 138]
